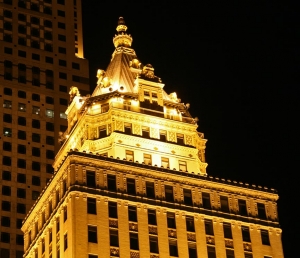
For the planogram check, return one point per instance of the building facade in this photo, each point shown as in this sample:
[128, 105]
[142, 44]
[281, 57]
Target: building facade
[130, 180]
[41, 53]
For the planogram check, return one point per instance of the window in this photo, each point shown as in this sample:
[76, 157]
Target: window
[7, 132]
[36, 180]
[35, 76]
[165, 162]
[22, 73]
[129, 155]
[242, 207]
[92, 234]
[173, 248]
[147, 159]
[265, 237]
[7, 71]
[21, 53]
[61, 25]
[209, 230]
[132, 214]
[22, 41]
[128, 128]
[7, 118]
[21, 193]
[35, 124]
[49, 60]
[112, 210]
[62, 50]
[261, 211]
[7, 38]
[60, 13]
[21, 178]
[36, 137]
[102, 131]
[19, 223]
[134, 241]
[192, 250]
[224, 203]
[91, 206]
[6, 175]
[163, 135]
[169, 193]
[36, 152]
[35, 57]
[63, 115]
[7, 146]
[8, 50]
[150, 193]
[21, 135]
[47, 10]
[152, 217]
[19, 254]
[49, 113]
[21, 121]
[93, 256]
[63, 88]
[5, 237]
[35, 97]
[62, 62]
[19, 240]
[180, 138]
[35, 195]
[6, 161]
[211, 252]
[182, 165]
[7, 91]
[62, 75]
[36, 166]
[66, 241]
[63, 102]
[206, 200]
[187, 197]
[248, 255]
[36, 110]
[190, 226]
[145, 131]
[49, 126]
[22, 107]
[21, 148]
[21, 163]
[171, 220]
[49, 140]
[5, 221]
[227, 230]
[7, 104]
[21, 208]
[5, 206]
[76, 66]
[111, 183]
[7, 14]
[153, 242]
[114, 237]
[246, 234]
[131, 186]
[49, 169]
[90, 178]
[49, 83]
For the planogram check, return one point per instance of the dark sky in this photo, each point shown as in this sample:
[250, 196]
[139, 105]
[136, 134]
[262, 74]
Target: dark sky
[236, 63]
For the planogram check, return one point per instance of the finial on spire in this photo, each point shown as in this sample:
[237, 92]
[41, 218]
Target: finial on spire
[122, 39]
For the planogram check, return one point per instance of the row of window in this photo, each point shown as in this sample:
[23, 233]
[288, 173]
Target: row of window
[5, 238]
[5, 253]
[8, 132]
[21, 178]
[6, 206]
[21, 163]
[21, 193]
[170, 195]
[6, 222]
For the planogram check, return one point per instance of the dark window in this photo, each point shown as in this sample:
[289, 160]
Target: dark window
[261, 211]
[62, 62]
[112, 210]
[60, 13]
[36, 180]
[21, 17]
[75, 78]
[93, 256]
[92, 234]
[49, 100]
[47, 10]
[49, 154]
[7, 70]
[7, 118]
[206, 200]
[22, 94]
[7, 91]
[21, 135]
[22, 29]
[209, 230]
[134, 241]
[7, 38]
[246, 234]
[132, 214]
[169, 193]
[48, 47]
[153, 242]
[227, 230]
[180, 138]
[36, 123]
[61, 37]
[265, 237]
[62, 50]
[35, 76]
[192, 251]
[35, 20]
[229, 253]
[35, 195]
[90, 178]
[6, 161]
[49, 126]
[150, 192]
[63, 102]
[91, 206]
[36, 166]
[35, 32]
[173, 248]
[111, 183]
[113, 237]
[21, 208]
[146, 132]
[19, 223]
[8, 50]
[242, 207]
[34, 7]
[36, 137]
[63, 88]
[75, 66]
[224, 203]
[19, 240]
[49, 169]
[21, 148]
[65, 213]
[35, 97]
[49, 60]
[6, 175]
[102, 131]
[21, 121]
[5, 237]
[21, 178]
[190, 225]
[152, 217]
[49, 140]
[248, 255]
[7, 26]
[19, 254]
[211, 252]
[21, 163]
[47, 23]
[22, 53]
[7, 146]
[61, 25]
[63, 128]
[62, 75]
[5, 206]
[131, 186]
[22, 41]
[171, 220]
[7, 14]
[187, 197]
[5, 221]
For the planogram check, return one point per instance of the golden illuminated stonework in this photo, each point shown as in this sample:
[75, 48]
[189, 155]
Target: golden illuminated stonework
[130, 180]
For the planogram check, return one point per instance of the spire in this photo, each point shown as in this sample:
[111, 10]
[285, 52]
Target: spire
[122, 38]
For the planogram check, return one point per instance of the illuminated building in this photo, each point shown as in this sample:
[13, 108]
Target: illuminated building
[41, 56]
[130, 180]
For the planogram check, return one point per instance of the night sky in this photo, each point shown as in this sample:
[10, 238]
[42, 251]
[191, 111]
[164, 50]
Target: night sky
[237, 64]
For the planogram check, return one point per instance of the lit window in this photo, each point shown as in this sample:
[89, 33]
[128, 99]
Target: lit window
[36, 110]
[7, 104]
[153, 242]
[224, 203]
[49, 113]
[165, 162]
[7, 132]
[147, 159]
[62, 115]
[114, 237]
[265, 237]
[182, 166]
[246, 234]
[227, 230]
[209, 230]
[129, 155]
[22, 107]
[187, 197]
